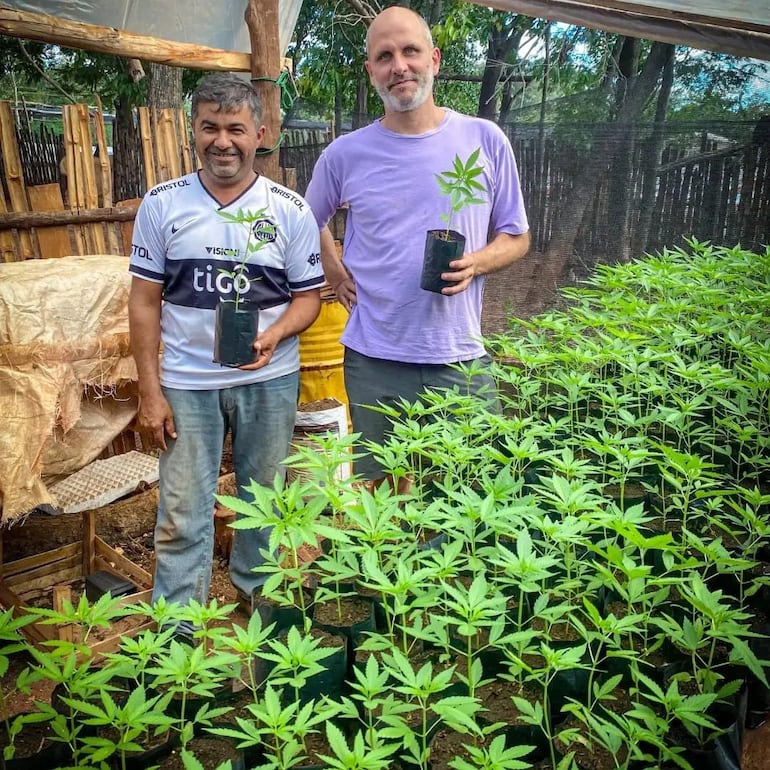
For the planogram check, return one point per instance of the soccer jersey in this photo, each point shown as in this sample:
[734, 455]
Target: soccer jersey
[257, 250]
[388, 182]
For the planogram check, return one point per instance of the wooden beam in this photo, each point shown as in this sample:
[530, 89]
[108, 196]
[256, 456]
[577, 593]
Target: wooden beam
[27, 219]
[92, 37]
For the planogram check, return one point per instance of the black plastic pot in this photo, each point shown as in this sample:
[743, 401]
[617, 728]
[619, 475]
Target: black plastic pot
[441, 248]
[150, 757]
[723, 753]
[235, 330]
[221, 696]
[284, 616]
[718, 756]
[525, 735]
[568, 684]
[331, 680]
[48, 754]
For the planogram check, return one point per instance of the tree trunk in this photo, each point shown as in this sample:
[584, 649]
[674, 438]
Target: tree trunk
[360, 111]
[506, 101]
[261, 18]
[164, 87]
[337, 112]
[492, 71]
[616, 221]
[128, 173]
[594, 169]
[504, 39]
[652, 154]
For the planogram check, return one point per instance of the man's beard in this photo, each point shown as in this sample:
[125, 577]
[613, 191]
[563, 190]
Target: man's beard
[408, 103]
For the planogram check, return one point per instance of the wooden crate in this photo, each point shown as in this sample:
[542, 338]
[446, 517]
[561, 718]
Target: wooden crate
[56, 570]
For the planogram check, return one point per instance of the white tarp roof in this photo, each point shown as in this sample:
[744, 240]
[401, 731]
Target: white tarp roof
[738, 27]
[212, 23]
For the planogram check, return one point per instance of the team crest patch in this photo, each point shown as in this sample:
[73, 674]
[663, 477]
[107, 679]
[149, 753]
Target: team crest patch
[263, 231]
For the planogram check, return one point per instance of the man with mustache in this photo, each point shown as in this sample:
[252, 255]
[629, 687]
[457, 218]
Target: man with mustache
[205, 238]
[399, 339]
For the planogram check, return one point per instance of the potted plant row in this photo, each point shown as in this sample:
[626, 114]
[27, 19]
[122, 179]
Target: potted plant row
[594, 600]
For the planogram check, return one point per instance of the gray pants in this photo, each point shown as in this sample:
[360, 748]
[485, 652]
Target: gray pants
[378, 381]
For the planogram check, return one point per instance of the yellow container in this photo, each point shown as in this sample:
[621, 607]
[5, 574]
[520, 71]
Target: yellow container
[321, 356]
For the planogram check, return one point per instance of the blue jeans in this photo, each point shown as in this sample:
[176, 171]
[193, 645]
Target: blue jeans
[261, 418]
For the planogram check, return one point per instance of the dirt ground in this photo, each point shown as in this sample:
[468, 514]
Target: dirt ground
[506, 295]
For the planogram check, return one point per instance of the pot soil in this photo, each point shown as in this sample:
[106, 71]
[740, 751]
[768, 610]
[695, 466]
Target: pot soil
[498, 706]
[210, 750]
[34, 748]
[441, 248]
[592, 757]
[347, 616]
[448, 745]
[235, 329]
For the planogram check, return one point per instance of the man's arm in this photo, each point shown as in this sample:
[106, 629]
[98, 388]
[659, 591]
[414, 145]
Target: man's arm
[337, 275]
[503, 250]
[154, 418]
[303, 309]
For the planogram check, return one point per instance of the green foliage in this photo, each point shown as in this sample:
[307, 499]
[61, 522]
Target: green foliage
[461, 184]
[613, 509]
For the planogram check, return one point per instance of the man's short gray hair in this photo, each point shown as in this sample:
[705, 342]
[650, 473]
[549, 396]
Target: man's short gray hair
[230, 92]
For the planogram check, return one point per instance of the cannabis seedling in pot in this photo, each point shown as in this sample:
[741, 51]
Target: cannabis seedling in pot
[237, 318]
[443, 246]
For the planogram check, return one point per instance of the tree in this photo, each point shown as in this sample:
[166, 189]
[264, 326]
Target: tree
[328, 55]
[164, 87]
[632, 93]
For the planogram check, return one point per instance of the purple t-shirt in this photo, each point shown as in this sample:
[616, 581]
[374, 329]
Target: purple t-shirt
[388, 182]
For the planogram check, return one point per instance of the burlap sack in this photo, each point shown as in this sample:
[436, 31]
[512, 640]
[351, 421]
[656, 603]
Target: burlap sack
[63, 342]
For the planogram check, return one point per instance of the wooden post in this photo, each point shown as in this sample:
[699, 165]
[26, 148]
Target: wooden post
[262, 20]
[14, 176]
[67, 632]
[89, 535]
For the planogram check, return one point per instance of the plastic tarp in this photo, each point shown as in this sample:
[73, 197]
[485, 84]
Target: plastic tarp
[737, 27]
[66, 373]
[217, 24]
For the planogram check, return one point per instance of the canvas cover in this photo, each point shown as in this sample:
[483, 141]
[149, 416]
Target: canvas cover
[738, 27]
[201, 22]
[66, 372]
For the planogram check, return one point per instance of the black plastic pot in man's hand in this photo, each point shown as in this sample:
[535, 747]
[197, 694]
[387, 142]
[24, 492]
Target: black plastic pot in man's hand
[236, 328]
[441, 247]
